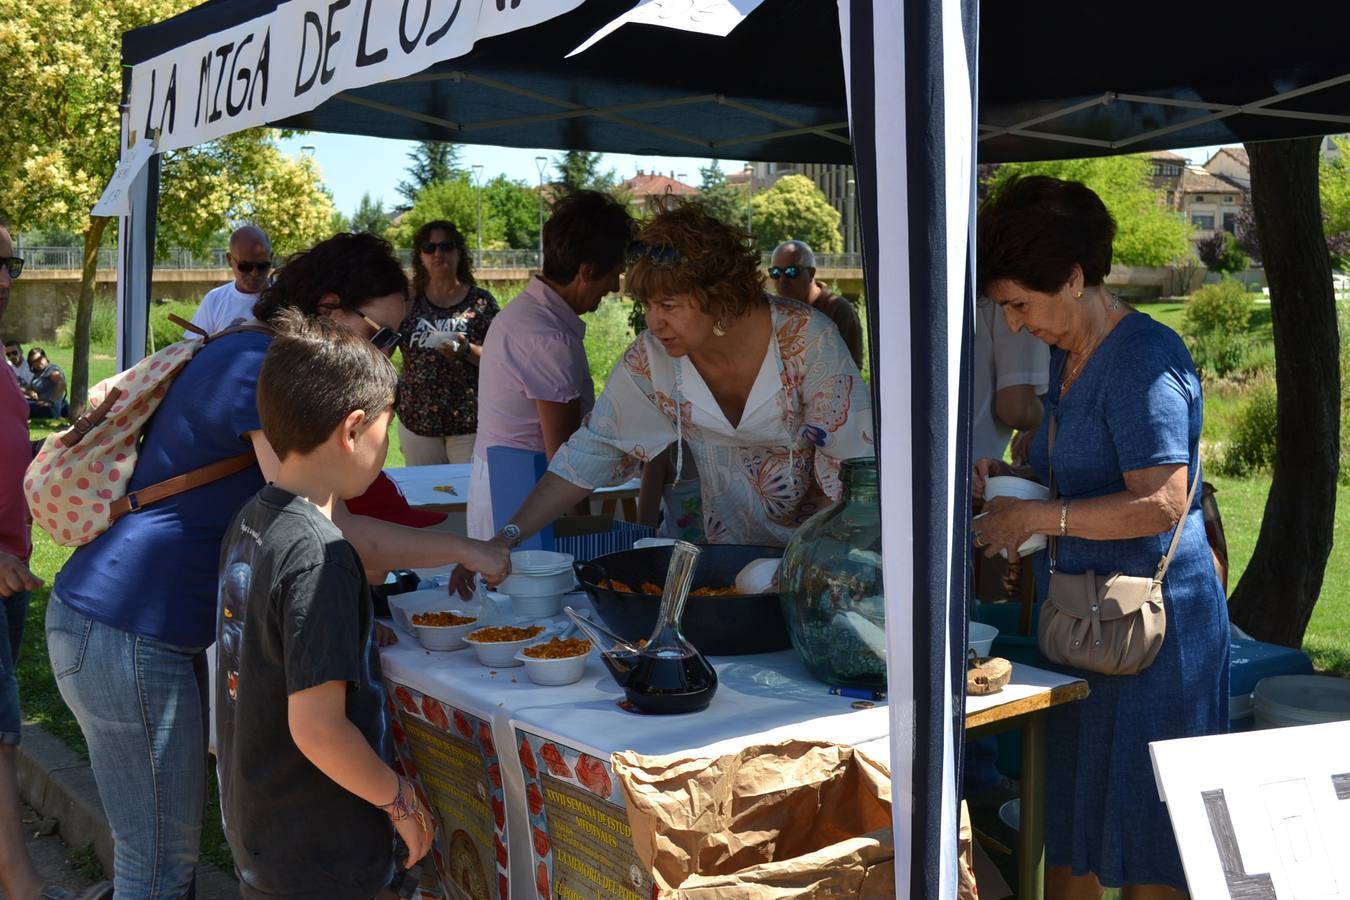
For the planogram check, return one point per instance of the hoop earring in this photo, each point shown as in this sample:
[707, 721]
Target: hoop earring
[720, 328]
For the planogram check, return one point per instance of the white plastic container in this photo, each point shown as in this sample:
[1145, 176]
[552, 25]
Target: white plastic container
[1300, 700]
[554, 671]
[502, 654]
[444, 638]
[981, 638]
[1021, 489]
[539, 573]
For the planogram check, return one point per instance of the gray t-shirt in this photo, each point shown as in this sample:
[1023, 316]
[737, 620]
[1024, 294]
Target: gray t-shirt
[294, 612]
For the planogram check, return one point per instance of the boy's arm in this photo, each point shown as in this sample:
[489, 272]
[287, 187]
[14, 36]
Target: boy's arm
[384, 546]
[323, 733]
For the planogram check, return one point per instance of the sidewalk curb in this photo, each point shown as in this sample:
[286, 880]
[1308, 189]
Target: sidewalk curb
[56, 782]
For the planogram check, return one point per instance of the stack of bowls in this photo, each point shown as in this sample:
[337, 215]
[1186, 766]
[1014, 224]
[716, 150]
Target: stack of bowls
[1020, 489]
[538, 580]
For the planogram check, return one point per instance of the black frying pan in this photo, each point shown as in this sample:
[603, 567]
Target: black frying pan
[717, 626]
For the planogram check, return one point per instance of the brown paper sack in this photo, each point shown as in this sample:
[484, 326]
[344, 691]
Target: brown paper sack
[798, 819]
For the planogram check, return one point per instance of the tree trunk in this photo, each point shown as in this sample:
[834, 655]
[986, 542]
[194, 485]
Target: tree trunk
[84, 314]
[1275, 598]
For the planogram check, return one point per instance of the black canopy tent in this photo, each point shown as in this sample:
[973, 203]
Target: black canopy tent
[1064, 82]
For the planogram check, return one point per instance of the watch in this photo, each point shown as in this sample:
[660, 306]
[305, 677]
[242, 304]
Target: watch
[511, 531]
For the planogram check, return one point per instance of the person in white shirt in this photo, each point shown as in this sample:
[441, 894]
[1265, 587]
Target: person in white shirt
[250, 259]
[14, 355]
[1012, 372]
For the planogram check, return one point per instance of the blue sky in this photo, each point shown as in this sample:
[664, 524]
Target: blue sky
[353, 165]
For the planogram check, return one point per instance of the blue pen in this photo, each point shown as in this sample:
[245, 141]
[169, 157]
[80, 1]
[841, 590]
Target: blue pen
[858, 693]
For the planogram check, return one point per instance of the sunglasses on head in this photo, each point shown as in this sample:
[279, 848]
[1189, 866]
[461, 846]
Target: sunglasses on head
[788, 272]
[248, 268]
[385, 338]
[13, 264]
[660, 254]
[431, 247]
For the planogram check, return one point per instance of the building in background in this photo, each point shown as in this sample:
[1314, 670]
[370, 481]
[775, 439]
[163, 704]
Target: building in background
[645, 185]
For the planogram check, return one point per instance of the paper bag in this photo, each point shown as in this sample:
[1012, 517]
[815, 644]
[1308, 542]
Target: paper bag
[799, 819]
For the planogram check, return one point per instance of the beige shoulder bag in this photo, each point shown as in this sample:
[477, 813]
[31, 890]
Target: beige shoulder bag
[1112, 624]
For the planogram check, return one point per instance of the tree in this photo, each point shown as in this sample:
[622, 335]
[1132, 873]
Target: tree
[725, 202]
[370, 216]
[795, 209]
[430, 162]
[1147, 233]
[455, 200]
[1220, 253]
[60, 91]
[1279, 588]
[516, 204]
[579, 170]
[240, 179]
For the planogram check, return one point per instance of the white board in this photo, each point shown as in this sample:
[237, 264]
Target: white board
[1261, 815]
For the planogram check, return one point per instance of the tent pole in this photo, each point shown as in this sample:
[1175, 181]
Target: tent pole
[135, 255]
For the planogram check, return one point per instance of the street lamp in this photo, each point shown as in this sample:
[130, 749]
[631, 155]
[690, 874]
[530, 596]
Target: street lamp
[307, 150]
[749, 207]
[541, 163]
[478, 197]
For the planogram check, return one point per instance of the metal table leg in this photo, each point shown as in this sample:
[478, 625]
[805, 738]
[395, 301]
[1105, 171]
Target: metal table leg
[1031, 828]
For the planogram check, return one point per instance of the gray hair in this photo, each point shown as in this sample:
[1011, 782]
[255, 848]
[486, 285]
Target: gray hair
[250, 233]
[805, 256]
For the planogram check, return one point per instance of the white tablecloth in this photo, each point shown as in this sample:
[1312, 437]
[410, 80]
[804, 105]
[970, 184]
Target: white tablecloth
[419, 484]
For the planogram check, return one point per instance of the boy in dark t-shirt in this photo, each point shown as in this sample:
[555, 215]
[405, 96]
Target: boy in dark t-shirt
[310, 803]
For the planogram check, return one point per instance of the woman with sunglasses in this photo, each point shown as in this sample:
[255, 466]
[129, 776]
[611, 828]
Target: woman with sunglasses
[133, 611]
[759, 390]
[443, 336]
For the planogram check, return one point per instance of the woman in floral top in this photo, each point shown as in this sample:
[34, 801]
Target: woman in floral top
[769, 401]
[442, 343]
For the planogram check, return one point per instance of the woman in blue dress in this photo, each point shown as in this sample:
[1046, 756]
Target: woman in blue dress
[1126, 402]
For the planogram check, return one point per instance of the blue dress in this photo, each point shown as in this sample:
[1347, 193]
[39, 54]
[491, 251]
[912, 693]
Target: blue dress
[1136, 404]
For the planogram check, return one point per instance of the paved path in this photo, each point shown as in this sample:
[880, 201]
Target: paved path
[54, 860]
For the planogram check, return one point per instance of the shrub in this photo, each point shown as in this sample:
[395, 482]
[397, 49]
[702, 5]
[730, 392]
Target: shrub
[102, 326]
[1252, 447]
[1215, 327]
[1221, 253]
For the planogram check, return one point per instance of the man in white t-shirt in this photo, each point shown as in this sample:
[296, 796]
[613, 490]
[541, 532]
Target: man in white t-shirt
[1012, 372]
[250, 259]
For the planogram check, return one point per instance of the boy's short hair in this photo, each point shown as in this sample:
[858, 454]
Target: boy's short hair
[314, 374]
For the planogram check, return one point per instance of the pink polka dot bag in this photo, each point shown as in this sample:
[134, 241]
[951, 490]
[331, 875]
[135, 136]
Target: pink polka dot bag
[77, 484]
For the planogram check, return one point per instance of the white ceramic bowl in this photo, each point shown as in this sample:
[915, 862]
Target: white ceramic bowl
[501, 654]
[1012, 486]
[540, 562]
[554, 671]
[981, 638]
[1029, 546]
[402, 606]
[544, 606]
[444, 637]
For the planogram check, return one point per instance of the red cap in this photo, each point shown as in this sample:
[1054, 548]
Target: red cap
[383, 500]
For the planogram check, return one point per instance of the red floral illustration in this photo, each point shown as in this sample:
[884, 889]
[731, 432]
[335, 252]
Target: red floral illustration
[434, 712]
[541, 882]
[553, 758]
[534, 799]
[485, 739]
[541, 842]
[593, 777]
[495, 775]
[499, 812]
[405, 699]
[527, 759]
[462, 725]
[501, 851]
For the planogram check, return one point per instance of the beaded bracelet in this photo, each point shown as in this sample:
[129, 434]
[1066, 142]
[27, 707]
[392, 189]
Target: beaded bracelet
[1063, 518]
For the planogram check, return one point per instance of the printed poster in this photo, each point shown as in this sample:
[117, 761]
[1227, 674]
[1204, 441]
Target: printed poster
[450, 753]
[580, 845]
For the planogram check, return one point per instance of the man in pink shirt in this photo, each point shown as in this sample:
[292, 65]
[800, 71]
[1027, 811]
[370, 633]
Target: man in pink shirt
[534, 383]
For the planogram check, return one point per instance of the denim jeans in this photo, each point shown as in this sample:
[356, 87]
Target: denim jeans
[143, 708]
[16, 611]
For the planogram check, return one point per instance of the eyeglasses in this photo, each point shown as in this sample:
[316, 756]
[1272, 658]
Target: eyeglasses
[248, 268]
[13, 263]
[788, 272]
[660, 254]
[430, 247]
[385, 338]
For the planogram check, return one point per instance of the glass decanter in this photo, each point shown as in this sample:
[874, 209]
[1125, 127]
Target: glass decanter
[830, 585]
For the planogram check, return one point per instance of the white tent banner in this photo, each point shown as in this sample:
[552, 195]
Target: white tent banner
[295, 58]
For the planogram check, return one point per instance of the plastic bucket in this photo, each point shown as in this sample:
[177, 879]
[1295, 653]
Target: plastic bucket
[1285, 700]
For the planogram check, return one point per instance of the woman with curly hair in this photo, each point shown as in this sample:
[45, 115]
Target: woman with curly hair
[760, 390]
[443, 335]
[133, 611]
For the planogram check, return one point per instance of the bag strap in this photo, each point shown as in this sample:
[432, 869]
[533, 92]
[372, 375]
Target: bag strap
[251, 327]
[162, 490]
[1176, 534]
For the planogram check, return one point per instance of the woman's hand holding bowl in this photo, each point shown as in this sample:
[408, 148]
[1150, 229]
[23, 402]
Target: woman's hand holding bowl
[1005, 524]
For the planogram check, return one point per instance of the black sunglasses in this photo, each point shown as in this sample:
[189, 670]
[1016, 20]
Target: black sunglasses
[385, 338]
[13, 263]
[248, 268]
[431, 247]
[788, 272]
